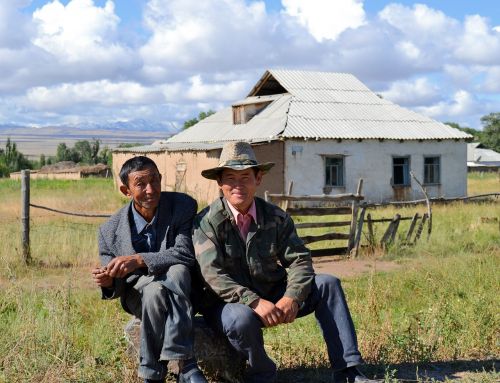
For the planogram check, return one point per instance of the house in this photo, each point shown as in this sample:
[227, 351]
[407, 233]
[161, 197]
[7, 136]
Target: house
[324, 131]
[67, 170]
[481, 159]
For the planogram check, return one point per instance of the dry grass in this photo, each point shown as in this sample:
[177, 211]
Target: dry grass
[440, 306]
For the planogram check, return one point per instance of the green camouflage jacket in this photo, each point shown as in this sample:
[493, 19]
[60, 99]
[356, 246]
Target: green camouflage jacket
[242, 274]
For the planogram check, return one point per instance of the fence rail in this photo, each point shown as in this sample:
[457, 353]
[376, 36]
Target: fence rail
[70, 212]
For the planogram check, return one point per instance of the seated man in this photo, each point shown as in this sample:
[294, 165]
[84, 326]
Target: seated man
[146, 252]
[251, 257]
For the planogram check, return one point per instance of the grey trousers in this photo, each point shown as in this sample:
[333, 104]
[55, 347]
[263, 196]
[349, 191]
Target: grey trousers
[163, 305]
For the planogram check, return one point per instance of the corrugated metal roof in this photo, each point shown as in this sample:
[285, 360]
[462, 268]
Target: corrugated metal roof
[267, 125]
[172, 147]
[319, 105]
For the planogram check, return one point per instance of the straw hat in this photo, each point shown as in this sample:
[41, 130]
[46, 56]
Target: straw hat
[236, 156]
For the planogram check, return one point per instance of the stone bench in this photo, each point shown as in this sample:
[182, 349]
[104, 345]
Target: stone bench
[215, 356]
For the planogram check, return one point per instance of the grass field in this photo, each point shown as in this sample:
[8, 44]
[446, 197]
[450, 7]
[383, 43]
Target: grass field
[438, 312]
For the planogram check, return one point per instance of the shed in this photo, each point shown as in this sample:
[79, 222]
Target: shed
[324, 131]
[482, 159]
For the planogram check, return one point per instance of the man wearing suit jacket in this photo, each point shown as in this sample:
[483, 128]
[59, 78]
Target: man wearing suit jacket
[146, 254]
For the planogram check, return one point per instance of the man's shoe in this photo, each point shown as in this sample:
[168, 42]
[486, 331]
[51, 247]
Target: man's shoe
[351, 375]
[154, 381]
[192, 376]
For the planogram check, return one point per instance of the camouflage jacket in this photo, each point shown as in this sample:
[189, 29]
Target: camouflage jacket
[241, 273]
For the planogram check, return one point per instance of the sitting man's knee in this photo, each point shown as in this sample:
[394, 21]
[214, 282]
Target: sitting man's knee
[240, 320]
[327, 281]
[153, 293]
[180, 275]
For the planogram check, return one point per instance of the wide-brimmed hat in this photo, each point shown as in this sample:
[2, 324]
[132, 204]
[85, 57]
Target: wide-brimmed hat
[236, 156]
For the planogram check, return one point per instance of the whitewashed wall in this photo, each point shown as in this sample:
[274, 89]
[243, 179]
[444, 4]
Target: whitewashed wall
[372, 161]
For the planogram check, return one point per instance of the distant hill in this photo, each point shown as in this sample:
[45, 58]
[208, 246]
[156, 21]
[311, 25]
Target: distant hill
[33, 141]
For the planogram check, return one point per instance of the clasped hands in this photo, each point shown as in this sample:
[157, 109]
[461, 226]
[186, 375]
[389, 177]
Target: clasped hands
[284, 311]
[119, 267]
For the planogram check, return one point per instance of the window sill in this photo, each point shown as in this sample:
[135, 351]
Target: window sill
[328, 189]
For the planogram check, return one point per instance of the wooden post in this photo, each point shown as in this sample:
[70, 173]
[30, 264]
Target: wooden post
[397, 220]
[354, 217]
[25, 215]
[412, 227]
[359, 231]
[371, 236]
[428, 203]
[420, 228]
[288, 192]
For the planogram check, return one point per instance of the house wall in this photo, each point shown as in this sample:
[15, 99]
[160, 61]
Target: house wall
[181, 171]
[371, 160]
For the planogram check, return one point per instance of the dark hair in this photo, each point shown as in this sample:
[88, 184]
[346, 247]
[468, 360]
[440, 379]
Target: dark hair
[134, 164]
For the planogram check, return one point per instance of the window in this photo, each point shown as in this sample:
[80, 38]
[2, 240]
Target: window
[334, 171]
[432, 170]
[401, 171]
[244, 113]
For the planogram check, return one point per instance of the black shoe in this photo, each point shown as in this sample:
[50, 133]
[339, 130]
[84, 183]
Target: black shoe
[192, 376]
[351, 375]
[154, 381]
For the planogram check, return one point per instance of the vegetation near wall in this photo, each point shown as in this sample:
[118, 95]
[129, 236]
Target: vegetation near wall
[440, 305]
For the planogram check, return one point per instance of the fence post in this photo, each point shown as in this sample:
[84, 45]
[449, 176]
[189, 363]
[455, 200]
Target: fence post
[25, 215]
[354, 217]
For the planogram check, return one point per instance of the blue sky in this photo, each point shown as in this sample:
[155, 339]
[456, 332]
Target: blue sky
[101, 61]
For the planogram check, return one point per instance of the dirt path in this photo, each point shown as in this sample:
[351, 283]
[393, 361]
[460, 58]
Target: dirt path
[351, 267]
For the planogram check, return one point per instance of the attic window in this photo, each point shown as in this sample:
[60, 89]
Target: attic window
[244, 113]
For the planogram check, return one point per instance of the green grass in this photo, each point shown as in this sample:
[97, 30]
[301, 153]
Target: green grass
[440, 306]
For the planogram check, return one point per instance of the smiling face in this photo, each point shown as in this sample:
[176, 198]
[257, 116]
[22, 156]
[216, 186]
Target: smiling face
[239, 187]
[144, 187]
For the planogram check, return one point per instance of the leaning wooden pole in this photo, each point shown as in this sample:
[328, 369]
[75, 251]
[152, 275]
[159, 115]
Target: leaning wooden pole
[428, 202]
[25, 215]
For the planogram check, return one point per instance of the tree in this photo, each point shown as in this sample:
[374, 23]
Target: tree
[491, 131]
[42, 160]
[201, 116]
[11, 160]
[87, 152]
[473, 132]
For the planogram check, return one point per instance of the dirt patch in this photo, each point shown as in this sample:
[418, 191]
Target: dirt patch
[343, 268]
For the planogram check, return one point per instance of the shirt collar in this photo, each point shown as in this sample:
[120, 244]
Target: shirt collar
[140, 222]
[252, 212]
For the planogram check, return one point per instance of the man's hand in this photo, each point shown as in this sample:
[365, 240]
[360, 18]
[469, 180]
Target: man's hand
[101, 277]
[269, 314]
[289, 308]
[119, 267]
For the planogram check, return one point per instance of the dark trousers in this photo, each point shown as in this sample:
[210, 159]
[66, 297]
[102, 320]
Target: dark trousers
[163, 305]
[243, 328]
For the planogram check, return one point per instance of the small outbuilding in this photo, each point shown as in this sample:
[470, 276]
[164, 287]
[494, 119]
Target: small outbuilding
[482, 159]
[324, 131]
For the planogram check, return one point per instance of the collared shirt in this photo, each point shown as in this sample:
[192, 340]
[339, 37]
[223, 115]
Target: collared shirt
[243, 221]
[143, 232]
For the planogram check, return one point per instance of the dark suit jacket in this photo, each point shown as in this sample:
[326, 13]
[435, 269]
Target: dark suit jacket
[175, 218]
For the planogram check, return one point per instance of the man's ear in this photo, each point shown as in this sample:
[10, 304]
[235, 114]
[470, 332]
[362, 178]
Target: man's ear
[258, 177]
[124, 190]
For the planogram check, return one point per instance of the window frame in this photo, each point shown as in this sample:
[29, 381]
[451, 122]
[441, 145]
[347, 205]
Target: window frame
[406, 174]
[326, 157]
[433, 182]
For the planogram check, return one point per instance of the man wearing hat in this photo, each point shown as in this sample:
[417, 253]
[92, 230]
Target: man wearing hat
[253, 261]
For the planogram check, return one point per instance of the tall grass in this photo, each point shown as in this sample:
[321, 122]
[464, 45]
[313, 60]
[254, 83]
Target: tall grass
[442, 305]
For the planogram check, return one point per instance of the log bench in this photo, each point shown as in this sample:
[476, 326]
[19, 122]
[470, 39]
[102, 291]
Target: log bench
[218, 360]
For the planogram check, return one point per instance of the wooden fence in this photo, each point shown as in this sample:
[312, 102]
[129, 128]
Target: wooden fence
[345, 205]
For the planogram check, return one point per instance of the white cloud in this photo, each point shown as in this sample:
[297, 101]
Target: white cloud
[207, 36]
[463, 103]
[478, 44]
[326, 19]
[101, 92]
[491, 83]
[410, 93]
[79, 31]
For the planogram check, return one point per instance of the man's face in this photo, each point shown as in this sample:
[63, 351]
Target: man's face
[144, 187]
[239, 187]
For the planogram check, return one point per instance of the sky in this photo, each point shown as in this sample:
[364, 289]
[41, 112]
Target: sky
[99, 61]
